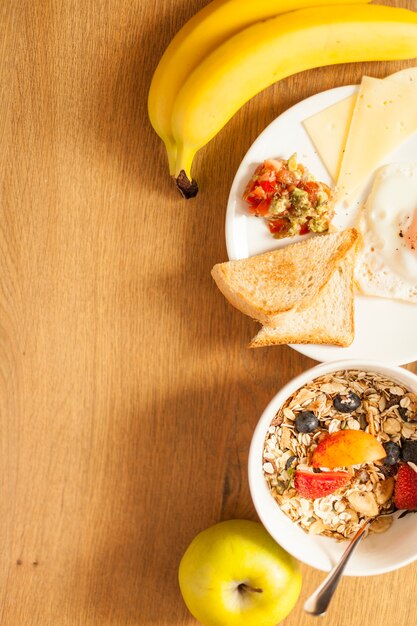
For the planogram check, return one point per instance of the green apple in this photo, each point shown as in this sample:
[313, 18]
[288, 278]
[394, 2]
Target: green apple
[234, 574]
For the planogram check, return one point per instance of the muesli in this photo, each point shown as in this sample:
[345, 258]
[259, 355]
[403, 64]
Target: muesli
[345, 400]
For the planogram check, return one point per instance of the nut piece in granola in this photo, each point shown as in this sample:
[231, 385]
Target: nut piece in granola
[384, 490]
[364, 503]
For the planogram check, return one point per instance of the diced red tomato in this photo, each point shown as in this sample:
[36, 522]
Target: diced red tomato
[266, 175]
[267, 186]
[286, 177]
[260, 208]
[277, 226]
[312, 189]
[256, 195]
[274, 164]
[263, 207]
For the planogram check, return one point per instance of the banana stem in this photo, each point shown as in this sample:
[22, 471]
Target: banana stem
[186, 185]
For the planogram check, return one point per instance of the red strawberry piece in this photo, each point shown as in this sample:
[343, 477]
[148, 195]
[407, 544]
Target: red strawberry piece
[405, 492]
[312, 485]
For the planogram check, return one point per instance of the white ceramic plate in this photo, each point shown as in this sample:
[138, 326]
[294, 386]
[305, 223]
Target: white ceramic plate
[385, 330]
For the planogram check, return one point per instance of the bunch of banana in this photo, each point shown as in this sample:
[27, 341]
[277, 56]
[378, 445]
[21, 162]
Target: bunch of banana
[210, 27]
[225, 55]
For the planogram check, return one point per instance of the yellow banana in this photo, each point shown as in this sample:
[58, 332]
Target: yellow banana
[210, 27]
[274, 49]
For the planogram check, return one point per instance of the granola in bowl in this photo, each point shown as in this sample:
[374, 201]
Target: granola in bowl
[345, 400]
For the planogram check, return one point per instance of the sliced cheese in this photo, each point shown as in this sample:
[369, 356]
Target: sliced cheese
[385, 115]
[329, 129]
[408, 75]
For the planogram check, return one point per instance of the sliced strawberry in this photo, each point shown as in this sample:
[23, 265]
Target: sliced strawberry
[405, 492]
[311, 485]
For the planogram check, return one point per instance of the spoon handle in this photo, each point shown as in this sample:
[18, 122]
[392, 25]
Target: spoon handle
[319, 601]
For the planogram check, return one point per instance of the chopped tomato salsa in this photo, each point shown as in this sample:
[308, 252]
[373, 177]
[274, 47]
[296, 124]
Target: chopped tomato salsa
[289, 198]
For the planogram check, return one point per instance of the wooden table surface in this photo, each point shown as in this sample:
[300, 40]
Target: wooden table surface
[128, 398]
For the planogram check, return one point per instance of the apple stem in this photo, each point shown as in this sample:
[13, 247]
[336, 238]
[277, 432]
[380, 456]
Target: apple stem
[244, 587]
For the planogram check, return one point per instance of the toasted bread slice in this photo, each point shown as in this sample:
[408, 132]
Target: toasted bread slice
[329, 319]
[278, 281]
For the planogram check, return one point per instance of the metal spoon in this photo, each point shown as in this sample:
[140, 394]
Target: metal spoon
[319, 601]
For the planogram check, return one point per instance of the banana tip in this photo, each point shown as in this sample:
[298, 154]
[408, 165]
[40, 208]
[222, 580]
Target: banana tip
[187, 188]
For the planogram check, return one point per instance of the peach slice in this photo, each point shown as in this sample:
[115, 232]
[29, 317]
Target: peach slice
[347, 447]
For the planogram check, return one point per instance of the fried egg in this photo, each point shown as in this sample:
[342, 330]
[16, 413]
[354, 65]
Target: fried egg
[387, 262]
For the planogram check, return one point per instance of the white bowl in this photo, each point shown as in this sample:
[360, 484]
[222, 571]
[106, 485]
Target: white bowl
[377, 553]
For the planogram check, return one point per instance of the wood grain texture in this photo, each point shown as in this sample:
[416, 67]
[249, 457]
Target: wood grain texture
[127, 396]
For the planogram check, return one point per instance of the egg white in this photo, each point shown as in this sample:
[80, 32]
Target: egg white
[386, 266]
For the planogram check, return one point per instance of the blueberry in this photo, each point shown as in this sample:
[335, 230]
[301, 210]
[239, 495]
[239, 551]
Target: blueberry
[306, 422]
[348, 403]
[289, 462]
[403, 413]
[392, 401]
[409, 451]
[393, 451]
[388, 470]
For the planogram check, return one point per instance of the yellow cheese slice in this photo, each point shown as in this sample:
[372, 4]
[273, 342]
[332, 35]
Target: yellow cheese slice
[329, 129]
[408, 75]
[385, 115]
